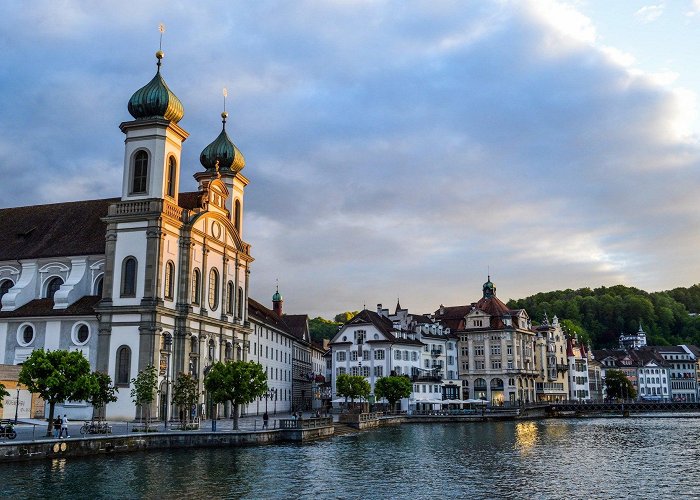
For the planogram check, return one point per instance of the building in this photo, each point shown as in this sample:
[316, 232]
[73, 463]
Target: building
[497, 349]
[370, 346]
[683, 372]
[645, 368]
[551, 362]
[579, 389]
[152, 277]
[634, 340]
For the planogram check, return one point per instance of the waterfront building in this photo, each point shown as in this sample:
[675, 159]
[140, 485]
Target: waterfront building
[371, 346]
[683, 372]
[497, 349]
[578, 370]
[595, 377]
[551, 362]
[695, 352]
[645, 368]
[271, 345]
[152, 277]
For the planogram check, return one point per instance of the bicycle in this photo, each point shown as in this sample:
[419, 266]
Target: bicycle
[7, 431]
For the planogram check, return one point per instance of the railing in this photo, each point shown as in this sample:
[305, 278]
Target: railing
[435, 353]
[366, 417]
[308, 423]
[137, 207]
[172, 210]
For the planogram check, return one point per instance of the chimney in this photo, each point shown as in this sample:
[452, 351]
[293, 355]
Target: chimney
[379, 309]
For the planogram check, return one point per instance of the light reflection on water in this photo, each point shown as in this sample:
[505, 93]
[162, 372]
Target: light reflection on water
[584, 458]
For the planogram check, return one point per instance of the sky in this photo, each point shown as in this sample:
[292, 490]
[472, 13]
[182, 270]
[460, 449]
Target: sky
[395, 149]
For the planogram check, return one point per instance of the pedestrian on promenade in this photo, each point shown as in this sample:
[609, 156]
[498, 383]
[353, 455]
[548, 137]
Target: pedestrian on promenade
[266, 418]
[56, 426]
[64, 426]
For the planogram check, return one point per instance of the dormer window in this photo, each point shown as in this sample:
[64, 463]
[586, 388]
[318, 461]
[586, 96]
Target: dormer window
[140, 177]
[53, 286]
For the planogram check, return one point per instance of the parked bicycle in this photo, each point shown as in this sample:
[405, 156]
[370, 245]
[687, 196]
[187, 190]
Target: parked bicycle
[92, 427]
[7, 431]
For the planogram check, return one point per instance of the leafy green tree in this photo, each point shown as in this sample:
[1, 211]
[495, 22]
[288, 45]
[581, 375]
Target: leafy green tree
[239, 382]
[352, 386]
[143, 390]
[617, 385]
[393, 389]
[320, 328]
[346, 316]
[104, 392]
[185, 393]
[57, 376]
[3, 394]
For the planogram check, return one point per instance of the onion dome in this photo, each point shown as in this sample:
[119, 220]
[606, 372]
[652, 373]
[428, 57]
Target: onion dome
[277, 296]
[222, 154]
[156, 100]
[489, 289]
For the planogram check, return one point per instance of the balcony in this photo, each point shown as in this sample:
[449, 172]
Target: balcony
[562, 368]
[427, 378]
[436, 353]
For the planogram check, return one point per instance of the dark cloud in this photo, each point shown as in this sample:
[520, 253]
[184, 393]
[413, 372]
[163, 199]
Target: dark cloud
[394, 149]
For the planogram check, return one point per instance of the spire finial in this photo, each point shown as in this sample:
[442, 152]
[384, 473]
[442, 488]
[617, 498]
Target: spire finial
[160, 54]
[224, 114]
[277, 284]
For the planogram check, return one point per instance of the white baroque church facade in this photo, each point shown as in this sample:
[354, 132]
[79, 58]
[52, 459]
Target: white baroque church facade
[154, 277]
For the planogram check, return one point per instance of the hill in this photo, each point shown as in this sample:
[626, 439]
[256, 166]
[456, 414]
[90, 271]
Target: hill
[601, 314]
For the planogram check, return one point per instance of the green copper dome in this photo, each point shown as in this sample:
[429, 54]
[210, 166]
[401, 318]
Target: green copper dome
[156, 100]
[277, 297]
[489, 289]
[222, 151]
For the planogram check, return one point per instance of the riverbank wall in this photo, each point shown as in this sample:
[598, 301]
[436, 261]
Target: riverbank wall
[107, 445]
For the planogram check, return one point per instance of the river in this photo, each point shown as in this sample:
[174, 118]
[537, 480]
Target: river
[640, 457]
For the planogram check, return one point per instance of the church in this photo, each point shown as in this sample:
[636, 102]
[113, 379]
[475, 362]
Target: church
[154, 277]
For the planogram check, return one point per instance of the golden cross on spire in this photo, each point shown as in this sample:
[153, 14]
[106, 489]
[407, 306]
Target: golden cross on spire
[161, 28]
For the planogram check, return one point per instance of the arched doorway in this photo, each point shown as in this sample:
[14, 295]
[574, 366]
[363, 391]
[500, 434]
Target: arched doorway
[497, 392]
[480, 389]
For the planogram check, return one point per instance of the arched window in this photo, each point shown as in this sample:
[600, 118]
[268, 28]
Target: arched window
[240, 302]
[196, 280]
[213, 289]
[5, 286]
[229, 350]
[237, 215]
[194, 345]
[229, 297]
[169, 280]
[129, 277]
[123, 374]
[98, 286]
[52, 287]
[211, 349]
[140, 177]
[172, 171]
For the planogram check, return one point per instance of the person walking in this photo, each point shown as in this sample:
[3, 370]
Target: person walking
[266, 418]
[64, 426]
[57, 426]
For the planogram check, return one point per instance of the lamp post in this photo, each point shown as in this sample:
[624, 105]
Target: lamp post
[275, 393]
[17, 406]
[268, 394]
[168, 345]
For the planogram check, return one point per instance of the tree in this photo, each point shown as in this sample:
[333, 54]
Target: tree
[320, 328]
[104, 393]
[185, 394]
[239, 382]
[57, 376]
[3, 394]
[144, 390]
[346, 316]
[393, 389]
[352, 386]
[617, 385]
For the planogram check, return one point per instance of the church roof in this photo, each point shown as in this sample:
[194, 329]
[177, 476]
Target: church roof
[298, 325]
[268, 316]
[84, 306]
[53, 230]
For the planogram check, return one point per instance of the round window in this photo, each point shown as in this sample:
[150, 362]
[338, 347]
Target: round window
[83, 334]
[25, 335]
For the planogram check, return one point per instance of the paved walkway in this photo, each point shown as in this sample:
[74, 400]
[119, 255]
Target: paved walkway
[33, 429]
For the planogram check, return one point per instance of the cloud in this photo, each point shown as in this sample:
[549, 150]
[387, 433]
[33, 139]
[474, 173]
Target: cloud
[650, 13]
[391, 151]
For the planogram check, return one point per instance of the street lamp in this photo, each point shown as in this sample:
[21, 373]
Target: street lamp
[17, 406]
[168, 344]
[275, 396]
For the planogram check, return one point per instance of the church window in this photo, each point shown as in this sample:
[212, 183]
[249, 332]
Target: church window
[196, 278]
[81, 333]
[53, 286]
[169, 279]
[172, 174]
[211, 349]
[123, 365]
[140, 176]
[237, 215]
[213, 289]
[25, 335]
[129, 277]
[229, 297]
[240, 302]
[194, 346]
[5, 286]
[98, 286]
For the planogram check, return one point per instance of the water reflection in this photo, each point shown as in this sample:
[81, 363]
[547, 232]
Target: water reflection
[586, 458]
[525, 436]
